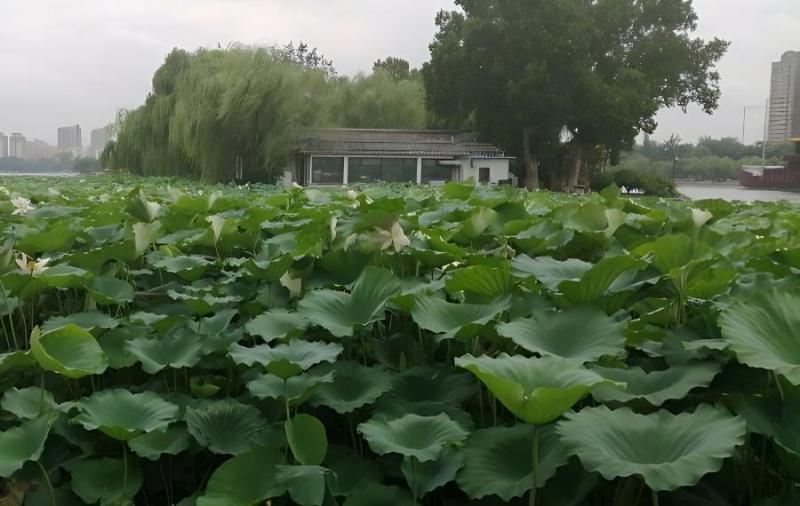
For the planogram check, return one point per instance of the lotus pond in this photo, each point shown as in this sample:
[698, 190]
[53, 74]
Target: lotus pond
[169, 343]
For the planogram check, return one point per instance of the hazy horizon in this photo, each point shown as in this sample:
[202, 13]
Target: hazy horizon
[82, 62]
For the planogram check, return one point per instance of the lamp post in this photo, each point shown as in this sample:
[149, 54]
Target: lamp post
[766, 119]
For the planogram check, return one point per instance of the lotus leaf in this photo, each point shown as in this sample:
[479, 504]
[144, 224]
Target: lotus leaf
[123, 415]
[581, 333]
[668, 451]
[420, 437]
[537, 390]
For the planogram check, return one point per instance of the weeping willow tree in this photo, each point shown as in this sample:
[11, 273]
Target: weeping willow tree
[238, 111]
[378, 101]
[143, 145]
[233, 114]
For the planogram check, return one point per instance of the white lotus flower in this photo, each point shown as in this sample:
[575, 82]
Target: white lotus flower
[333, 223]
[392, 238]
[352, 194]
[31, 266]
[4, 190]
[22, 205]
[295, 185]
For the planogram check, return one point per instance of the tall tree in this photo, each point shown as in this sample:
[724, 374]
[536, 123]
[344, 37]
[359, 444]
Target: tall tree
[563, 81]
[398, 68]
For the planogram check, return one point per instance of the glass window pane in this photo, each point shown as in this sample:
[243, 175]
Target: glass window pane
[327, 170]
[433, 172]
[373, 170]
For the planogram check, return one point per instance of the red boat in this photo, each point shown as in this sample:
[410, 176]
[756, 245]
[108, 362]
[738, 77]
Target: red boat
[787, 176]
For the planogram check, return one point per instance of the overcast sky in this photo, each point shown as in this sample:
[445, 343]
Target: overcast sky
[65, 62]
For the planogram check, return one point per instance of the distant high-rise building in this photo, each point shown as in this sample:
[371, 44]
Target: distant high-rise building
[784, 102]
[69, 139]
[3, 145]
[100, 137]
[16, 145]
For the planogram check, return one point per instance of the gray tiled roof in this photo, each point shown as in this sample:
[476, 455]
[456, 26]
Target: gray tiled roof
[351, 141]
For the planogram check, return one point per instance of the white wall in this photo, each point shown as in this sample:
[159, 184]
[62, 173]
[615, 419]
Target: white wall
[499, 169]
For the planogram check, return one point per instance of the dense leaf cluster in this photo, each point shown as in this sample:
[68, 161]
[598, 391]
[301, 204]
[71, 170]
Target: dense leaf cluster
[169, 343]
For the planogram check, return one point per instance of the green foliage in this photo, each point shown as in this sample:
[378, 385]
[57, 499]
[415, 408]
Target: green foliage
[527, 73]
[635, 181]
[567, 349]
[235, 113]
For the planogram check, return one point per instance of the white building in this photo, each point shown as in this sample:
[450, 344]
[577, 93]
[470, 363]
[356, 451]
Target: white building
[349, 156]
[3, 145]
[784, 103]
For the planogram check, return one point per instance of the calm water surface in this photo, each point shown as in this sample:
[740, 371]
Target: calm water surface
[732, 191]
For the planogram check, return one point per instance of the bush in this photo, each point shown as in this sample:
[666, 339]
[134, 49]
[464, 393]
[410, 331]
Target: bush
[633, 180]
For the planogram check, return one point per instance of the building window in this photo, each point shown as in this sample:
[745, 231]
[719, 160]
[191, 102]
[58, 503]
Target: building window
[390, 170]
[327, 170]
[432, 172]
[484, 175]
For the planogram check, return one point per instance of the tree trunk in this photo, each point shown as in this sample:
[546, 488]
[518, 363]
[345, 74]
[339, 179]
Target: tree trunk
[576, 152]
[531, 164]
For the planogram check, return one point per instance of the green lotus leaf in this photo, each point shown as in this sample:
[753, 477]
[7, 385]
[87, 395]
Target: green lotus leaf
[145, 234]
[448, 319]
[762, 331]
[175, 350]
[499, 461]
[353, 386]
[225, 427]
[140, 208]
[487, 283]
[548, 271]
[307, 438]
[421, 437]
[106, 480]
[673, 252]
[374, 494]
[171, 441]
[295, 389]
[28, 403]
[305, 484]
[668, 451]
[23, 443]
[114, 344]
[123, 415]
[582, 333]
[656, 387]
[70, 351]
[16, 360]
[426, 384]
[245, 480]
[536, 390]
[340, 312]
[774, 417]
[276, 325]
[63, 276]
[605, 276]
[190, 268]
[89, 320]
[107, 291]
[425, 477]
[286, 360]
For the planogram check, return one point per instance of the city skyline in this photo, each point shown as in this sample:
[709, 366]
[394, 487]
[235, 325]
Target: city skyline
[127, 45]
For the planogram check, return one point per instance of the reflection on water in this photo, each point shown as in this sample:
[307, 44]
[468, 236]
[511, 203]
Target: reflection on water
[733, 191]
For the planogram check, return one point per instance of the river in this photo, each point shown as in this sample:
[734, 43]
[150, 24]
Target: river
[733, 191]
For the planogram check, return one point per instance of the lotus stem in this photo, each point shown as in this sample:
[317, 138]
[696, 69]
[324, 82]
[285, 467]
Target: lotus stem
[655, 498]
[48, 482]
[534, 468]
[124, 467]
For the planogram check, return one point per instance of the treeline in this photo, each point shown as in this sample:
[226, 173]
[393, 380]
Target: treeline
[60, 164]
[707, 159]
[214, 112]
[566, 86]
